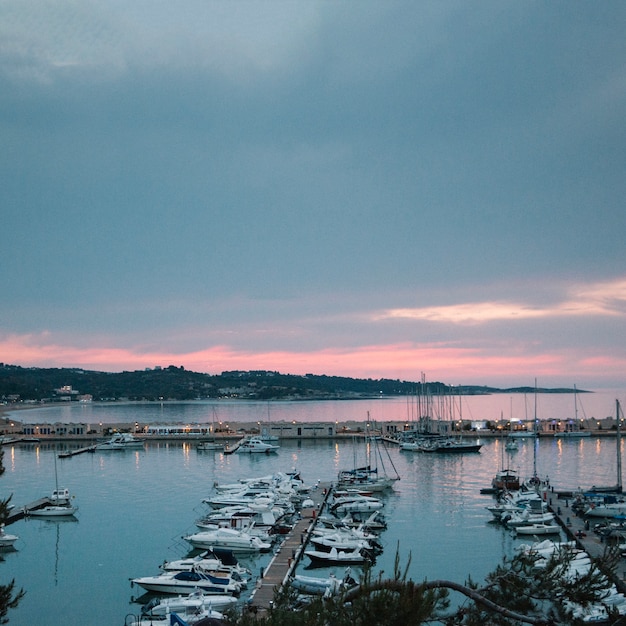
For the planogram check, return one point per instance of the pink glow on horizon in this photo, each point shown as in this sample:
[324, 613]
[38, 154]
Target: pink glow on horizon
[403, 361]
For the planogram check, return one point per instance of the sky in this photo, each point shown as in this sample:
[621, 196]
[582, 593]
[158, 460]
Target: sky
[373, 189]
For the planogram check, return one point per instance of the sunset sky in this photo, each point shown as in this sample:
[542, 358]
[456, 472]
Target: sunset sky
[368, 189]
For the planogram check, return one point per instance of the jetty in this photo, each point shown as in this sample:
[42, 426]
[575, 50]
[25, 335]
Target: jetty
[289, 553]
[18, 513]
[69, 453]
[577, 529]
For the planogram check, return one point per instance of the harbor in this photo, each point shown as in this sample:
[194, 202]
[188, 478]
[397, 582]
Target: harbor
[435, 511]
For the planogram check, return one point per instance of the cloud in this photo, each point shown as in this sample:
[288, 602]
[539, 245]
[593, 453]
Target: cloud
[599, 299]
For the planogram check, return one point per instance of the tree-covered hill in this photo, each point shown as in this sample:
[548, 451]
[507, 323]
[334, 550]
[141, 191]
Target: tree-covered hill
[19, 384]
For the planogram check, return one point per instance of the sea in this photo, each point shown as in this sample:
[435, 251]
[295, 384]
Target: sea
[136, 506]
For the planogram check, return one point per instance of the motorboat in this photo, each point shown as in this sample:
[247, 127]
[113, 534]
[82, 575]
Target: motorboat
[326, 543]
[197, 599]
[538, 529]
[337, 557]
[121, 441]
[6, 540]
[235, 540]
[175, 582]
[255, 445]
[258, 521]
[317, 586]
[527, 518]
[613, 509]
[221, 561]
[355, 503]
[187, 617]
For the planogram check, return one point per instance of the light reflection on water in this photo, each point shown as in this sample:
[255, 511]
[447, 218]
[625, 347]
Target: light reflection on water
[136, 505]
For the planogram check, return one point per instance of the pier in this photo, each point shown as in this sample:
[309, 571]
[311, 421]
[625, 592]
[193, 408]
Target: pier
[21, 512]
[289, 553]
[69, 453]
[575, 528]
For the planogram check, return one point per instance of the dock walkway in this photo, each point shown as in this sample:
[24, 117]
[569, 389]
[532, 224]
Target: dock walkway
[289, 554]
[575, 529]
[68, 453]
[21, 512]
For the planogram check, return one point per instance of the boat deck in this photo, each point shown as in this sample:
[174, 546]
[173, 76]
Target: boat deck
[288, 554]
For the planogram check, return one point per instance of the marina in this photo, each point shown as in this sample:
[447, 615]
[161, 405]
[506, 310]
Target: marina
[136, 505]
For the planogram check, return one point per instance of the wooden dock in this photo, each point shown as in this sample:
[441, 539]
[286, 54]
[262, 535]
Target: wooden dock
[289, 554]
[20, 512]
[575, 528]
[69, 453]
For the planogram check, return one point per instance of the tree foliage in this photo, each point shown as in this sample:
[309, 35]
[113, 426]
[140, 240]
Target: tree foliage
[9, 597]
[526, 589]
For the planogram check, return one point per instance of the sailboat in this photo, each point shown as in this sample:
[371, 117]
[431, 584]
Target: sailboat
[59, 502]
[576, 430]
[368, 476]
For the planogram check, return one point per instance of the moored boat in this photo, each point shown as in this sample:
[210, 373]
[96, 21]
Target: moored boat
[237, 541]
[255, 445]
[175, 582]
[6, 540]
[121, 441]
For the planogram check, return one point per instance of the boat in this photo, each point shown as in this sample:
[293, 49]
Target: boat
[6, 540]
[175, 582]
[316, 586]
[197, 599]
[235, 540]
[185, 617]
[217, 560]
[538, 529]
[58, 504]
[255, 445]
[53, 510]
[368, 476]
[355, 503]
[607, 509]
[337, 557]
[121, 441]
[574, 430]
[511, 445]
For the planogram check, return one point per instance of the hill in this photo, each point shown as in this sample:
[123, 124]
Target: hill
[22, 384]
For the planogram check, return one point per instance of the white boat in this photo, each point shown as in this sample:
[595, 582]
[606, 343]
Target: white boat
[177, 582]
[346, 544]
[188, 617]
[255, 445]
[197, 599]
[538, 529]
[59, 502]
[6, 540]
[53, 510]
[337, 557]
[209, 561]
[235, 540]
[121, 441]
[614, 509]
[323, 586]
[355, 504]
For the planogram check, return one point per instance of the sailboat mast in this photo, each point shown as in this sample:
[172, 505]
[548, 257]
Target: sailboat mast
[536, 441]
[619, 448]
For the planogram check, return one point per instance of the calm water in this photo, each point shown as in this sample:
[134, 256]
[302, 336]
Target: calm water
[135, 506]
[598, 405]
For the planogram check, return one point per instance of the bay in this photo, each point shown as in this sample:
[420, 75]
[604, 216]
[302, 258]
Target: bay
[135, 506]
